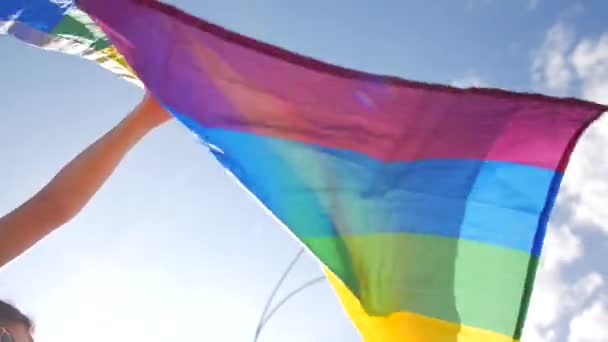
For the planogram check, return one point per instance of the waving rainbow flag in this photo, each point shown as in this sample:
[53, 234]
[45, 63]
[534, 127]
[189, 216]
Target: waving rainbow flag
[427, 204]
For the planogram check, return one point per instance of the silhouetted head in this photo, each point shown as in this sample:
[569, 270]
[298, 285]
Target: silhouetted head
[14, 325]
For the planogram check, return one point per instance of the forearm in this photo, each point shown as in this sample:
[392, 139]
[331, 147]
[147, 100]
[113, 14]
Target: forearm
[72, 188]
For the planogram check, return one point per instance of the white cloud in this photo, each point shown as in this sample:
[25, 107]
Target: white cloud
[591, 324]
[568, 66]
[585, 179]
[565, 248]
[550, 67]
[470, 80]
[560, 64]
[590, 60]
[554, 299]
[554, 296]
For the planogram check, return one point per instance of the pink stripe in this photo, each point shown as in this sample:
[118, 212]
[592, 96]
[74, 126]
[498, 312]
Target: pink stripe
[226, 80]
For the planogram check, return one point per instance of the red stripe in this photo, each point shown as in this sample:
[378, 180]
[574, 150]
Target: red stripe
[321, 66]
[223, 79]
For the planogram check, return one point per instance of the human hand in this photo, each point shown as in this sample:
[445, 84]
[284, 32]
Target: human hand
[150, 113]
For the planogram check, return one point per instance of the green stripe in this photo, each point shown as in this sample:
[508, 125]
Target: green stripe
[78, 26]
[459, 281]
[530, 281]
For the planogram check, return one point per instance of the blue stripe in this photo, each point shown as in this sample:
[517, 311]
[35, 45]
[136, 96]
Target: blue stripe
[43, 15]
[320, 191]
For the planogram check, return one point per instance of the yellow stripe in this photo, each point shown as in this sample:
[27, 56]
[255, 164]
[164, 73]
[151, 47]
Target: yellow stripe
[406, 326]
[109, 58]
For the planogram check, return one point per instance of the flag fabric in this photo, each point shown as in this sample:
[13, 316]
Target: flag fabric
[60, 26]
[426, 204]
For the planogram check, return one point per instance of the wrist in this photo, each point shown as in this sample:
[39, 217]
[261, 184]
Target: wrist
[137, 124]
[150, 114]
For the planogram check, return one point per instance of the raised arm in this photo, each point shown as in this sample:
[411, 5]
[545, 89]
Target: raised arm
[71, 189]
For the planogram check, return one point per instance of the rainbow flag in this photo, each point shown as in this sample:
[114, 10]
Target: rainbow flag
[58, 25]
[427, 204]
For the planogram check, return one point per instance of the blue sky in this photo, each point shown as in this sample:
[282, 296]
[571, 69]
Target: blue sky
[171, 247]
